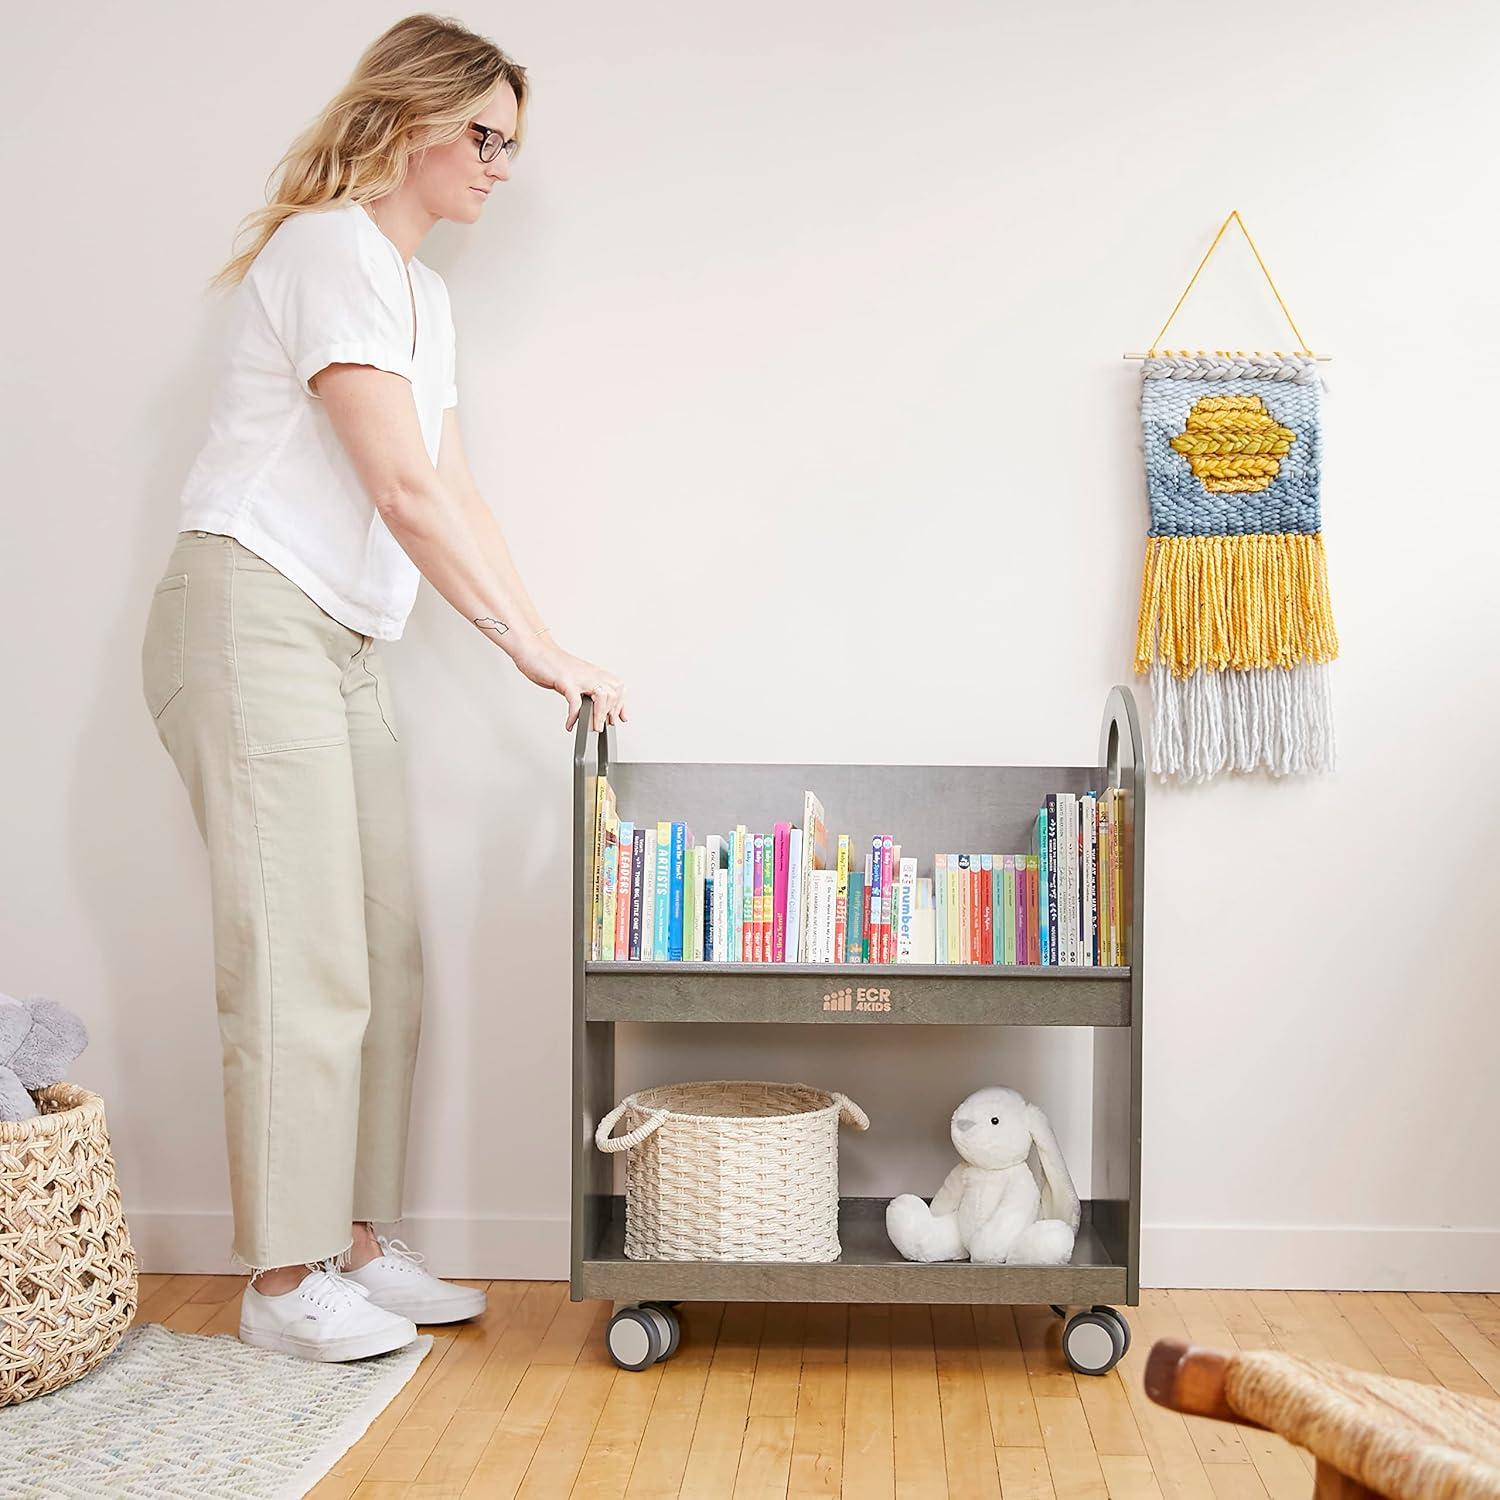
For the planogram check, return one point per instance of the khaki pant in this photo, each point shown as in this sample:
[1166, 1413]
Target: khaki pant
[280, 723]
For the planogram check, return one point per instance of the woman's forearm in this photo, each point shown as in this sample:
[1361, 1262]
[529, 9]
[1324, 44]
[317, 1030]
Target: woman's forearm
[492, 541]
[439, 531]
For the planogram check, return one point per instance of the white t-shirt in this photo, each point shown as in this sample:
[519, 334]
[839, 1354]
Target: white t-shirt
[328, 287]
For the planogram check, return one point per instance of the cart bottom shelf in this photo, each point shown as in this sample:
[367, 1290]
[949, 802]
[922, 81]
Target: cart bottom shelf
[869, 1270]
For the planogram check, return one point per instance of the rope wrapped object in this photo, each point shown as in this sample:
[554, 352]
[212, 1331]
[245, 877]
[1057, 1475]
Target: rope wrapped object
[68, 1284]
[731, 1169]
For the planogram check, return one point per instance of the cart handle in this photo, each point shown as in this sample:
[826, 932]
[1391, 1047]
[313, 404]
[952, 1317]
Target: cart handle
[581, 735]
[635, 1137]
[849, 1112]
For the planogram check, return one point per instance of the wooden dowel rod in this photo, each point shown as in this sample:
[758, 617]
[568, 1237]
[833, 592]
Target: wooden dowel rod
[1321, 359]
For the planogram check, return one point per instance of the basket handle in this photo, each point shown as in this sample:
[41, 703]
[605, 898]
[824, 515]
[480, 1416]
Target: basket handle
[849, 1112]
[635, 1137]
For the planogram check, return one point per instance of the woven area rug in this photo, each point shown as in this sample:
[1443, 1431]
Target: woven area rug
[176, 1416]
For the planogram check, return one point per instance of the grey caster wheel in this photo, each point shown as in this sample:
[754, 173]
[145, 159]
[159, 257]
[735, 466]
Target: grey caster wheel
[1093, 1341]
[1119, 1317]
[666, 1311]
[637, 1337]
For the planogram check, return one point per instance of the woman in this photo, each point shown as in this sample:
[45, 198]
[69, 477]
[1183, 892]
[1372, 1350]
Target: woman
[332, 478]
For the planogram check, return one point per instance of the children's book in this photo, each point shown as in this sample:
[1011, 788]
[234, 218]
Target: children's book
[796, 894]
[611, 884]
[815, 856]
[854, 939]
[841, 902]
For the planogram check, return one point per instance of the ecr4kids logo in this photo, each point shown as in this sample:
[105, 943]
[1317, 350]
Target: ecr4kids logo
[855, 998]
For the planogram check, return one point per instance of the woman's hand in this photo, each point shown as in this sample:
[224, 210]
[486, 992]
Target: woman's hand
[549, 666]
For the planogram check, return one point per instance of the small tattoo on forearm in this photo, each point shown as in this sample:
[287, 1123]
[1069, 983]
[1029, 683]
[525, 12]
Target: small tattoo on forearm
[484, 623]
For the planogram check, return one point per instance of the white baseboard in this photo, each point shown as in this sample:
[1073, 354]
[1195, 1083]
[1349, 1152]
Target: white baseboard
[1182, 1255]
[494, 1249]
[1328, 1259]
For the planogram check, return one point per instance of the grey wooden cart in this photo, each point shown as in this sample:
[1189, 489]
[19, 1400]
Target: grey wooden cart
[931, 807]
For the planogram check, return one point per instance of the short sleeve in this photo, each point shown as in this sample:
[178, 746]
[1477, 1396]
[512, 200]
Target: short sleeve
[331, 300]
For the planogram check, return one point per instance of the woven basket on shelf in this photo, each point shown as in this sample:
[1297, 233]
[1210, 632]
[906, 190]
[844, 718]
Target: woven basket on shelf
[67, 1269]
[731, 1170]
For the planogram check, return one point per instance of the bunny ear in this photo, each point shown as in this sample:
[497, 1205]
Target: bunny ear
[1059, 1196]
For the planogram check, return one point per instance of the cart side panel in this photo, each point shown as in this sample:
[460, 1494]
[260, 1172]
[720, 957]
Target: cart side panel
[1116, 1164]
[593, 1042]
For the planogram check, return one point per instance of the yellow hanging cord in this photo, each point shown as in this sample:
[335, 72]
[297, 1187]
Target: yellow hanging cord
[1235, 216]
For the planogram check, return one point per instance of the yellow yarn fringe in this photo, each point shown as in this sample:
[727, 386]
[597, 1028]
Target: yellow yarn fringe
[1235, 601]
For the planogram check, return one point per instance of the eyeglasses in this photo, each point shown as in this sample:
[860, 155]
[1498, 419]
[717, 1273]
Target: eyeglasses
[493, 142]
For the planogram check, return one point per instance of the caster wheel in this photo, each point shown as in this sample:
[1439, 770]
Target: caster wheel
[669, 1326]
[635, 1338]
[1119, 1318]
[1062, 1312]
[1093, 1342]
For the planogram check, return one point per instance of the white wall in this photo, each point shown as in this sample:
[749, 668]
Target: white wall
[853, 278]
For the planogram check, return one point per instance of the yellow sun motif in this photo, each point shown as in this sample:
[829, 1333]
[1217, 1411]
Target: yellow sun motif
[1233, 444]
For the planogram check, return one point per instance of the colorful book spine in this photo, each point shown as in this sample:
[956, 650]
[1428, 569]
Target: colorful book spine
[768, 896]
[623, 889]
[661, 916]
[887, 898]
[906, 907]
[596, 869]
[852, 936]
[841, 902]
[796, 896]
[940, 907]
[781, 837]
[676, 875]
[637, 889]
[987, 930]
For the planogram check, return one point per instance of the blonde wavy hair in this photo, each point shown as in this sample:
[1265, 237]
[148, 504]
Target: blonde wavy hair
[416, 86]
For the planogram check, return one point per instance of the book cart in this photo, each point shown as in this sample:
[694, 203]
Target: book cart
[931, 807]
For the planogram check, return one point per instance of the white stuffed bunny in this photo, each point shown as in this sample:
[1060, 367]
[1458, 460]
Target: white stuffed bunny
[991, 1207]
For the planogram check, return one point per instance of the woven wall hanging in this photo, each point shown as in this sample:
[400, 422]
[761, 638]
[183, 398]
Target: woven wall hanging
[1235, 626]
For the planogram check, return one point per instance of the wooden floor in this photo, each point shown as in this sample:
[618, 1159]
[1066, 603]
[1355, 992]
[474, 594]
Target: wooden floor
[858, 1401]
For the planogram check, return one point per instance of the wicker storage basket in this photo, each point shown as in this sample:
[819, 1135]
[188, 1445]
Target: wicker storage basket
[67, 1269]
[731, 1170]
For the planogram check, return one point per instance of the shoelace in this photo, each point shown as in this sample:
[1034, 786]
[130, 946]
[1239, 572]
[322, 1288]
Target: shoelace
[401, 1248]
[329, 1288]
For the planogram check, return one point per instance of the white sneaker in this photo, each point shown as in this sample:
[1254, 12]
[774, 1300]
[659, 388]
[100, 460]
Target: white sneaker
[325, 1317]
[396, 1281]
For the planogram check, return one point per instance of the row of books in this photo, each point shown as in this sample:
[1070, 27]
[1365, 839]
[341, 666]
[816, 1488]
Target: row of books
[794, 896]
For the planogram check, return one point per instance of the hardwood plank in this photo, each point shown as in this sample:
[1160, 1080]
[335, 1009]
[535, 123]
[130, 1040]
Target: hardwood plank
[917, 1413]
[825, 1333]
[1040, 1331]
[508, 1357]
[869, 1405]
[1236, 1482]
[1216, 1442]
[555, 1465]
[1169, 1445]
[771, 1421]
[501, 1467]
[1129, 1478]
[1070, 1449]
[349, 1473]
[658, 1470]
[817, 1467]
[1024, 1473]
[1429, 1344]
[168, 1297]
[1007, 1387]
[1110, 1419]
[968, 1440]
[604, 1472]
[438, 1420]
[713, 1458]
[778, 1365]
